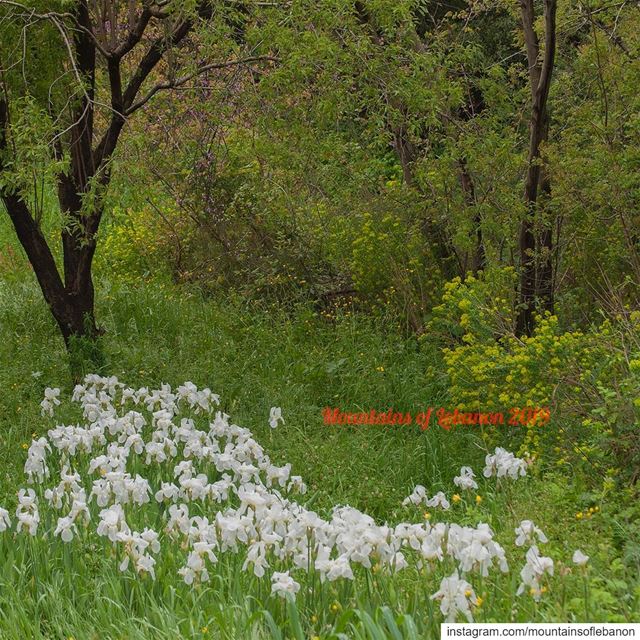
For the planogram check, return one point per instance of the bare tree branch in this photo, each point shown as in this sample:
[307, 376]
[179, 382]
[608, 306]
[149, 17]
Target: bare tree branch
[135, 35]
[173, 84]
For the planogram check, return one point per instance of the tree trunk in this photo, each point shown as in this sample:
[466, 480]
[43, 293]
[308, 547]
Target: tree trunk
[544, 284]
[79, 245]
[536, 277]
[479, 259]
[72, 309]
[71, 304]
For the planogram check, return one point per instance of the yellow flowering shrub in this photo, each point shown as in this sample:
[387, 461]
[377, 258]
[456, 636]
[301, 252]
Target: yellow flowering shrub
[138, 242]
[589, 380]
[387, 263]
[381, 251]
[475, 309]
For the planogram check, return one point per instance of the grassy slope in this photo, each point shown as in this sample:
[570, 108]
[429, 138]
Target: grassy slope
[254, 360]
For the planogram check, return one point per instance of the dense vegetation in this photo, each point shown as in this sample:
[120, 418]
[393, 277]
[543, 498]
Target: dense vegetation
[365, 204]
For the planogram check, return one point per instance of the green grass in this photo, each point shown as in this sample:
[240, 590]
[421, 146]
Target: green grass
[258, 358]
[255, 359]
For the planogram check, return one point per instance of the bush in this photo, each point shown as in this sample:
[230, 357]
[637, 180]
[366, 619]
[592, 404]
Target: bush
[589, 380]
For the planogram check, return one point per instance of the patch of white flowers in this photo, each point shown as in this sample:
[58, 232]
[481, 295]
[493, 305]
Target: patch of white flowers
[50, 402]
[579, 558]
[533, 571]
[218, 492]
[419, 496]
[27, 514]
[503, 463]
[283, 583]
[275, 416]
[536, 565]
[466, 479]
[456, 596]
[528, 533]
[5, 521]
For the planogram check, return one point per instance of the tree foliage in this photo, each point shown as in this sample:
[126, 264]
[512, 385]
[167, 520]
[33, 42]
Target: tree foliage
[368, 150]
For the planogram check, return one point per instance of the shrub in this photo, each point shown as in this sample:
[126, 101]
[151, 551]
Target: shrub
[589, 380]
